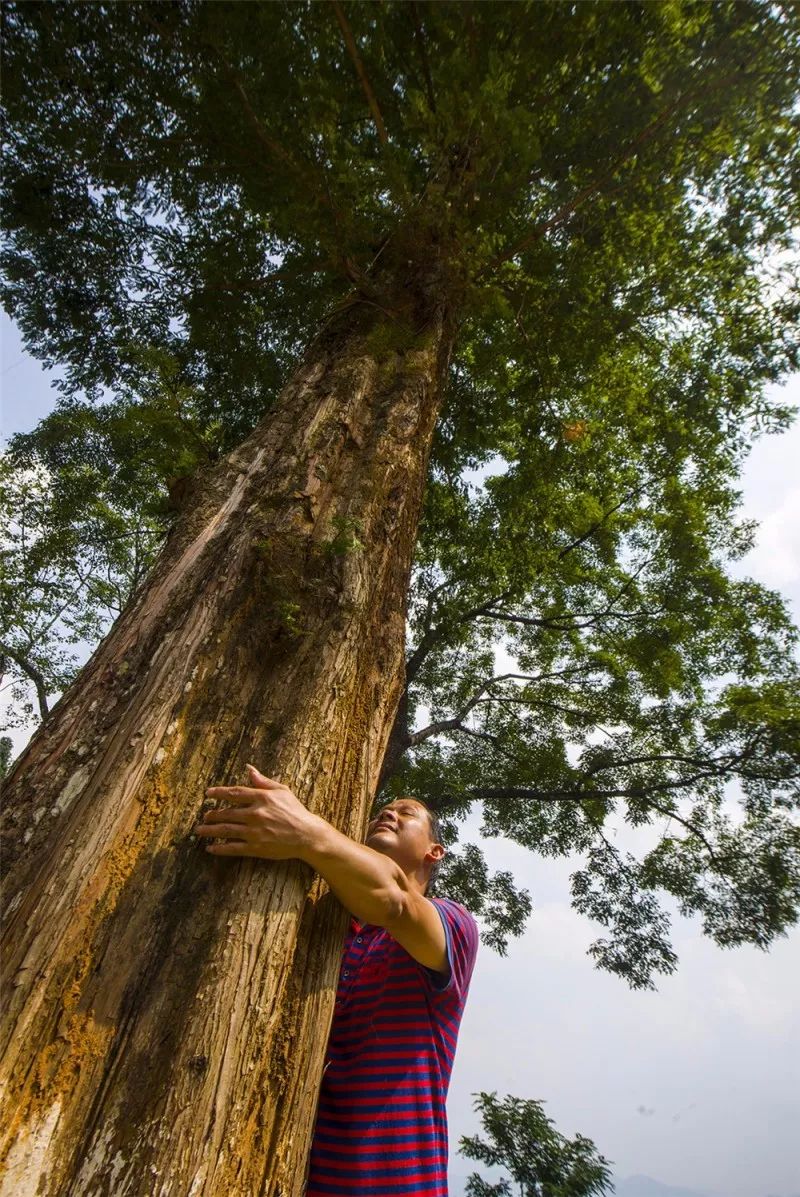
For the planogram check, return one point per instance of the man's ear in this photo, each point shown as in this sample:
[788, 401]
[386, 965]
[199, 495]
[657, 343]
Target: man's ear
[435, 852]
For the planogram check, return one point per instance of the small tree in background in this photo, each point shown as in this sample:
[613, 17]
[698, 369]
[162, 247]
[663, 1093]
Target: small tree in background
[542, 1162]
[5, 754]
[74, 550]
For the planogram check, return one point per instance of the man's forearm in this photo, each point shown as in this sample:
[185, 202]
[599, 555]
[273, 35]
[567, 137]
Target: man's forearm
[370, 885]
[267, 820]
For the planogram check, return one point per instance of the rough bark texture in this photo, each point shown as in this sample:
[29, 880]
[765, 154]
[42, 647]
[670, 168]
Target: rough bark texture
[165, 1012]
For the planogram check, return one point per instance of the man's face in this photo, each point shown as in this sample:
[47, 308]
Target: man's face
[402, 830]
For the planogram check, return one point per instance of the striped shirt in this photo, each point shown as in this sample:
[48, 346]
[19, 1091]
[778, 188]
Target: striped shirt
[381, 1124]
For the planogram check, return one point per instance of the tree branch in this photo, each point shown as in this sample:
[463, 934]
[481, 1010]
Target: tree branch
[456, 722]
[642, 792]
[32, 673]
[316, 266]
[692, 827]
[275, 148]
[634, 494]
[659, 758]
[352, 50]
[559, 622]
[441, 725]
[419, 38]
[433, 635]
[397, 742]
[267, 140]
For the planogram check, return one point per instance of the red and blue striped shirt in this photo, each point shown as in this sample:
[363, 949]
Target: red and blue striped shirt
[381, 1124]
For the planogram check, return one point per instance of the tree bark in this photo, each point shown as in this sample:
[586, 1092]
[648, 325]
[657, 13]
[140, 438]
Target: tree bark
[166, 1013]
[396, 741]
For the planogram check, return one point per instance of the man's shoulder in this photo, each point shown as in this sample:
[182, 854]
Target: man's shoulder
[456, 907]
[458, 917]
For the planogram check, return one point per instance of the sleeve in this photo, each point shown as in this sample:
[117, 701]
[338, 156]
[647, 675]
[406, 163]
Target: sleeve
[461, 935]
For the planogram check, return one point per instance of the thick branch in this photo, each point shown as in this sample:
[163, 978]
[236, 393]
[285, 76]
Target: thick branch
[398, 741]
[352, 50]
[441, 725]
[722, 763]
[642, 792]
[433, 635]
[570, 621]
[456, 723]
[420, 40]
[576, 621]
[32, 673]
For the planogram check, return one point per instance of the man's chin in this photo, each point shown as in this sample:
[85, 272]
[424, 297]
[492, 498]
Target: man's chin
[381, 839]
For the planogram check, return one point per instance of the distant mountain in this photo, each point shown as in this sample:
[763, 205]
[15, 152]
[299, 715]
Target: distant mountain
[645, 1186]
[631, 1186]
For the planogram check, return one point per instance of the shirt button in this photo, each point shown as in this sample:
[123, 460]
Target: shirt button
[346, 973]
[358, 939]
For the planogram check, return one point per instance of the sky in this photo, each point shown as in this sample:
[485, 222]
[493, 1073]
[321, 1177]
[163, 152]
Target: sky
[696, 1084]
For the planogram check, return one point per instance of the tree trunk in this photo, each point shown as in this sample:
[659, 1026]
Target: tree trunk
[166, 1012]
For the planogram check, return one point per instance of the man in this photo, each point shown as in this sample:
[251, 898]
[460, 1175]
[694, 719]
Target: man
[381, 1124]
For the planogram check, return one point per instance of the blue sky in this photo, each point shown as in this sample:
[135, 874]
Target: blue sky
[697, 1084]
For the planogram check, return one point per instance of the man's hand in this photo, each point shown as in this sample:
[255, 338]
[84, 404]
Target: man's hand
[264, 819]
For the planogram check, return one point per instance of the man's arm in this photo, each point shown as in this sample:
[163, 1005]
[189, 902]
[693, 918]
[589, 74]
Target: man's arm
[352, 869]
[270, 822]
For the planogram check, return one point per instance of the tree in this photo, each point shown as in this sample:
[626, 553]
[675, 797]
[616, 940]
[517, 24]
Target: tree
[446, 266]
[5, 755]
[72, 558]
[542, 1162]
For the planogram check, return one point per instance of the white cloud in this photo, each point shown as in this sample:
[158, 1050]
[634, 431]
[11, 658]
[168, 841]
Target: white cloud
[754, 1003]
[775, 560]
